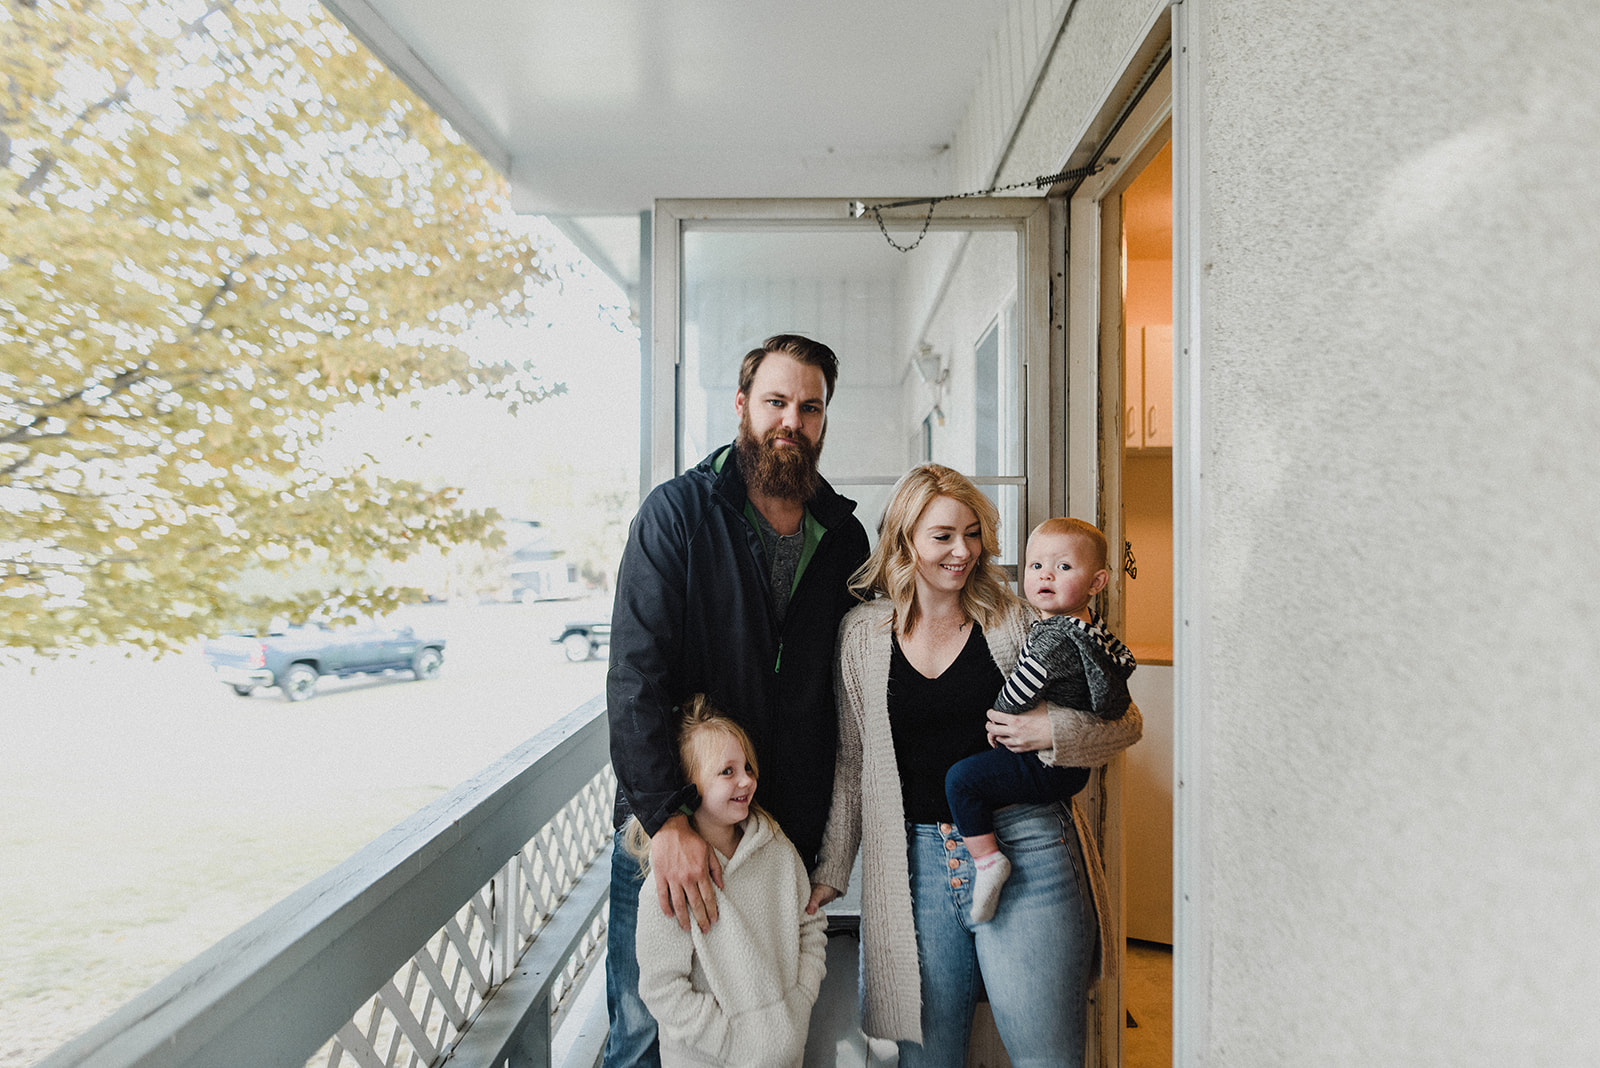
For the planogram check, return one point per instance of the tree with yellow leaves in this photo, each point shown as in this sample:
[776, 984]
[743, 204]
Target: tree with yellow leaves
[220, 222]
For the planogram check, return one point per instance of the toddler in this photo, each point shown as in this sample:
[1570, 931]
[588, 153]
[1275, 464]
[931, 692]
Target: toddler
[1069, 658]
[740, 993]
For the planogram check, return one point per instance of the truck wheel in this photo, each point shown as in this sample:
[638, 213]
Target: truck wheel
[244, 691]
[425, 665]
[298, 683]
[576, 646]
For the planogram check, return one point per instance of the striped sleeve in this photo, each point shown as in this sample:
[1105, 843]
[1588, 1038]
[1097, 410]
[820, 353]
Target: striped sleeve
[1021, 690]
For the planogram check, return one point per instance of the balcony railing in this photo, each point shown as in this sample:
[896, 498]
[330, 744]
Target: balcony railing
[459, 937]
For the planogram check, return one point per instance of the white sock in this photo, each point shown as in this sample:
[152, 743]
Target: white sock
[993, 870]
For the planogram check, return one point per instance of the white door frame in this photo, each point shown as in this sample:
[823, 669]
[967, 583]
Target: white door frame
[1192, 858]
[1028, 217]
[1192, 853]
[1094, 425]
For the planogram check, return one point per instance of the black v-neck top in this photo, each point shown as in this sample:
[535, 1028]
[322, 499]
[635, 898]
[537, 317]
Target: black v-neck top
[936, 722]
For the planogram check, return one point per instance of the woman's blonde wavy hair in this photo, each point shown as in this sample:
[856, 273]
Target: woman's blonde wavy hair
[891, 570]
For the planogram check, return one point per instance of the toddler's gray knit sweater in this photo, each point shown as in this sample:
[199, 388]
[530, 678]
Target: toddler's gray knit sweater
[1072, 663]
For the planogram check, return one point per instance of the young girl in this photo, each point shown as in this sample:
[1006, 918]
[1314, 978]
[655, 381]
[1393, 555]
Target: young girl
[740, 993]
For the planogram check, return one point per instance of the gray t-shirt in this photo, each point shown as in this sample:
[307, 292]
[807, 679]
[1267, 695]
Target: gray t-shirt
[783, 558]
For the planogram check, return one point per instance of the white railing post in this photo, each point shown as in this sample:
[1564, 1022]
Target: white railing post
[532, 1049]
[505, 922]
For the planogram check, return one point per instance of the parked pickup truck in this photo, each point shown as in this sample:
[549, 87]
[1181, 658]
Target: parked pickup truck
[582, 639]
[293, 658]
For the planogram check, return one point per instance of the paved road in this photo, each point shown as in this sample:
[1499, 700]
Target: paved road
[146, 810]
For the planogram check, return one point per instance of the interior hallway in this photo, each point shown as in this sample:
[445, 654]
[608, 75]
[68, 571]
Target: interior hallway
[1147, 995]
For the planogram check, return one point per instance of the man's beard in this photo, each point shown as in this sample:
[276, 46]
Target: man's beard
[787, 472]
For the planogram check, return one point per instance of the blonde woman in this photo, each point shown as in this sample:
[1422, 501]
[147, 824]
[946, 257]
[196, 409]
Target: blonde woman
[920, 663]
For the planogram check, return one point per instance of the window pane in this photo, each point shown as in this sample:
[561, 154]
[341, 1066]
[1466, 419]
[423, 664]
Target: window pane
[928, 365]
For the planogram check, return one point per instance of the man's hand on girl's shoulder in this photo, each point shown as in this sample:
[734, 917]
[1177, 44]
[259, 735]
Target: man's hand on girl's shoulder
[688, 874]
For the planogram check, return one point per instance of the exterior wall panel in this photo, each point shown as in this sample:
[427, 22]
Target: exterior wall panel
[1088, 59]
[1401, 340]
[1398, 388]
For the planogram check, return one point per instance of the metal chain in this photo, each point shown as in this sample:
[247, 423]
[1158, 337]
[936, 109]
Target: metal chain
[878, 215]
[1038, 183]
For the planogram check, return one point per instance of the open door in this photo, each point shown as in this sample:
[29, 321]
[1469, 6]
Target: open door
[946, 351]
[1121, 359]
[936, 345]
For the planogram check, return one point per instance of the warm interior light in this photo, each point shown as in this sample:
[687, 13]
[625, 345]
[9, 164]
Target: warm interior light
[1124, 263]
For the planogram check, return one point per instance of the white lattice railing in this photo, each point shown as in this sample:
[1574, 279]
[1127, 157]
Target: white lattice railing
[417, 1017]
[457, 938]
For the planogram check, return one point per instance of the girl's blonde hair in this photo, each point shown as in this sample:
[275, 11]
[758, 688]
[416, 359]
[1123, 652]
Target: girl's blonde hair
[699, 729]
[891, 570]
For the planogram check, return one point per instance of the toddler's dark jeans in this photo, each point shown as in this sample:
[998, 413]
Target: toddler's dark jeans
[978, 785]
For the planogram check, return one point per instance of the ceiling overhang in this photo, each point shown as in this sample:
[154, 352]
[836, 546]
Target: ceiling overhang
[599, 108]
[592, 111]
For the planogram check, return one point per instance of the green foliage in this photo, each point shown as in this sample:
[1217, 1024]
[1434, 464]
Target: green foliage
[219, 223]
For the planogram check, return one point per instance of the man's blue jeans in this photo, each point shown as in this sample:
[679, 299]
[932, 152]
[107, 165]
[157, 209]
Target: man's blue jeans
[1033, 957]
[632, 1042]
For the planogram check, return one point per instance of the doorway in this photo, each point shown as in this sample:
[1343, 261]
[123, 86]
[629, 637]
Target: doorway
[1146, 356]
[934, 343]
[1147, 603]
[1120, 359]
[943, 327]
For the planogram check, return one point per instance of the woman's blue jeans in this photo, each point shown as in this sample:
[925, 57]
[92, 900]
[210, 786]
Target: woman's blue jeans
[1033, 958]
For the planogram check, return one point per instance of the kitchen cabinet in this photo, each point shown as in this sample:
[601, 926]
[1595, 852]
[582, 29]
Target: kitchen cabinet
[1147, 388]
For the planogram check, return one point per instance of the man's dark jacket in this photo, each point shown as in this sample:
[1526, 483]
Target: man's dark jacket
[694, 614]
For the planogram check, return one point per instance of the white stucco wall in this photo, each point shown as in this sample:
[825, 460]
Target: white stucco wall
[1401, 398]
[1016, 56]
[1096, 38]
[984, 281]
[1398, 575]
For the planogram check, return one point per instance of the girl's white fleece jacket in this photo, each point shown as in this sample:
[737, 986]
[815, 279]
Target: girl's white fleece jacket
[740, 993]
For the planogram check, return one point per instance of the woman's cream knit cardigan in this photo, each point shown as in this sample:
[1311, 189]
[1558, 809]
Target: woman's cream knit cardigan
[867, 807]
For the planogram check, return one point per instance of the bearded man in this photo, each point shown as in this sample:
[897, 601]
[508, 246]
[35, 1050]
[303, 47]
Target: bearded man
[732, 584]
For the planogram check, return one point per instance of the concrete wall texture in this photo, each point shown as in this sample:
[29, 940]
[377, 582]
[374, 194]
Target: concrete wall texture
[1400, 388]
[1398, 576]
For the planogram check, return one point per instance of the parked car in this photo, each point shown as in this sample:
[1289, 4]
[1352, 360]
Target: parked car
[293, 658]
[584, 638]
